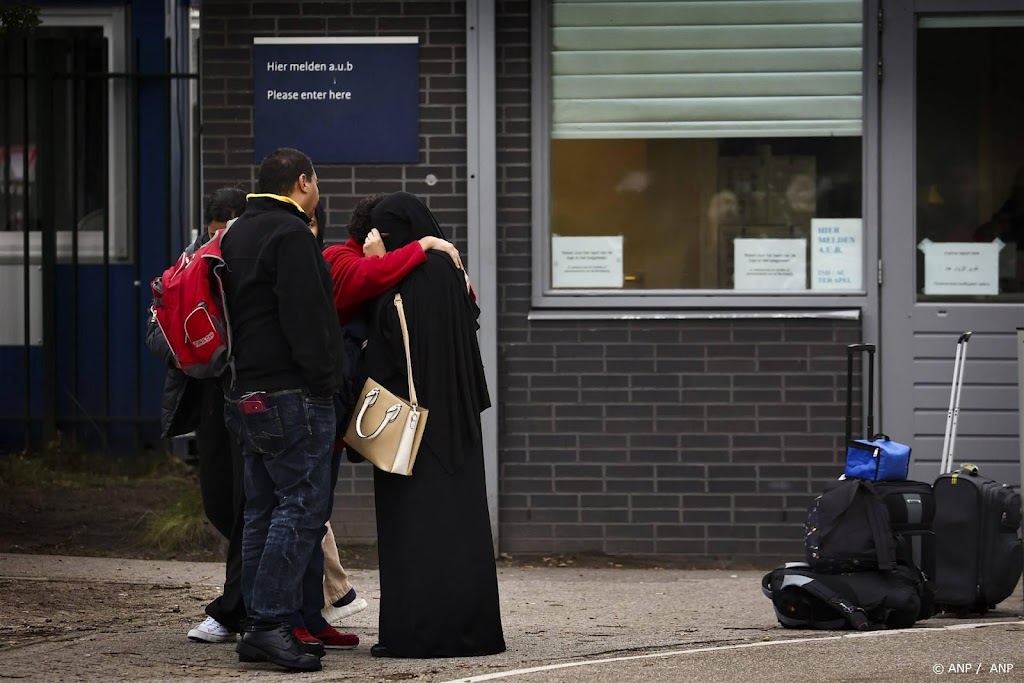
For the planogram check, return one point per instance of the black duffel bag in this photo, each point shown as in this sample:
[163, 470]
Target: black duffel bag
[862, 601]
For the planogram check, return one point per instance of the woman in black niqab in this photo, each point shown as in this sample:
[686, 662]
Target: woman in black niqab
[439, 588]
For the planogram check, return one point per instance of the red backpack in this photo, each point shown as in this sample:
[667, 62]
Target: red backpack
[189, 309]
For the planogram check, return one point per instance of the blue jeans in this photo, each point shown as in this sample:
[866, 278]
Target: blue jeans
[287, 451]
[313, 579]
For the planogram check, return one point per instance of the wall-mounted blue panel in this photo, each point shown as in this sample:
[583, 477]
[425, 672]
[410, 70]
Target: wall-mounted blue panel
[339, 100]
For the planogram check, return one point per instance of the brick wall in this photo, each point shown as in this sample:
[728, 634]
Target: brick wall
[228, 27]
[696, 439]
[702, 439]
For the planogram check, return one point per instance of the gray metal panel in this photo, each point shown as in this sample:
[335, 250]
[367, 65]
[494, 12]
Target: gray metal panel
[975, 448]
[980, 423]
[482, 210]
[737, 69]
[1020, 408]
[871, 145]
[937, 397]
[982, 346]
[987, 426]
[982, 372]
[12, 305]
[896, 191]
[540, 157]
[706, 12]
[919, 339]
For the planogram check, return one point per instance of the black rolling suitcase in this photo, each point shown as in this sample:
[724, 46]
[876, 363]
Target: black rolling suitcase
[979, 557]
[911, 504]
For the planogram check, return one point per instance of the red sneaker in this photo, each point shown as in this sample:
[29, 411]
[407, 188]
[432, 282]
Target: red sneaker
[310, 644]
[337, 640]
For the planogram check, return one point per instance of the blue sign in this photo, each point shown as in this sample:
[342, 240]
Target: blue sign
[339, 100]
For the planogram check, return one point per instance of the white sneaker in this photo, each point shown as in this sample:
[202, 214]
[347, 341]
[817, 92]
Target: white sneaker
[210, 631]
[333, 614]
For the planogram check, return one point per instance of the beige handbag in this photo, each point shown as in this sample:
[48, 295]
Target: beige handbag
[387, 429]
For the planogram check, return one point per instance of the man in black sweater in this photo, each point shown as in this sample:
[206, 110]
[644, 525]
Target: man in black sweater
[287, 353]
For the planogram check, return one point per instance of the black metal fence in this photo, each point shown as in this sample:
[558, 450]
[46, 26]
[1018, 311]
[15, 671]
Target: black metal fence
[93, 206]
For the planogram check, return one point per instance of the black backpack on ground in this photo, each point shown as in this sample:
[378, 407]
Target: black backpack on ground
[848, 530]
[862, 601]
[911, 508]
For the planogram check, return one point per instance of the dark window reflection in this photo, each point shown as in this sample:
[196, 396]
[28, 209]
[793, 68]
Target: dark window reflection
[77, 144]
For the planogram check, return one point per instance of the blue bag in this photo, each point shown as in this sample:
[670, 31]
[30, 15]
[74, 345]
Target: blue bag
[877, 459]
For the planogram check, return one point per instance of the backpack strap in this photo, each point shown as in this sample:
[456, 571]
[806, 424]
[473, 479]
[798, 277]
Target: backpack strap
[880, 531]
[856, 617]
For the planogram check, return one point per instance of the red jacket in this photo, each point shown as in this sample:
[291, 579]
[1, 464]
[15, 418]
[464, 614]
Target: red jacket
[357, 279]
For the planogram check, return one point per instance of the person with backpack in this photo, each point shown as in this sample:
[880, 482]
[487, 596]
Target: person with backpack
[287, 368]
[191, 404]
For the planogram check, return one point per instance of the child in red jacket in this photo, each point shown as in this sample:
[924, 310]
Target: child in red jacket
[362, 269]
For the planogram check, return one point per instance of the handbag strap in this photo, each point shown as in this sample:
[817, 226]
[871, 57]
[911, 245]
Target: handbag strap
[408, 356]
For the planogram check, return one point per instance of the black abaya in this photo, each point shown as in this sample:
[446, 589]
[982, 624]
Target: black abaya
[439, 589]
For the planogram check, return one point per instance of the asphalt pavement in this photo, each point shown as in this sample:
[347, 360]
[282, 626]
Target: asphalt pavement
[561, 625]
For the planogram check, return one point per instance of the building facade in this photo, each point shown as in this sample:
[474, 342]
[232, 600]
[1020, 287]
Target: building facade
[677, 215]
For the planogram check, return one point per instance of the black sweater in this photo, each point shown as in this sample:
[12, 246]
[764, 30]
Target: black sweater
[280, 302]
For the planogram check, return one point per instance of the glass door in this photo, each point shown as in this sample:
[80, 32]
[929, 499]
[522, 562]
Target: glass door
[952, 225]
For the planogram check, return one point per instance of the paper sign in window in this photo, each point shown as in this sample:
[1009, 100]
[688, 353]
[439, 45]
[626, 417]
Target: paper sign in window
[961, 268]
[589, 262]
[837, 260]
[770, 264]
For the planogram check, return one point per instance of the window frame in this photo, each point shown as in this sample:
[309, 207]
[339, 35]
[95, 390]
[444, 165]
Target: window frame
[113, 22]
[545, 296]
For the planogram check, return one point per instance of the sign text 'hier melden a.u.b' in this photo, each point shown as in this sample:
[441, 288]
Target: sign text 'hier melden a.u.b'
[339, 100]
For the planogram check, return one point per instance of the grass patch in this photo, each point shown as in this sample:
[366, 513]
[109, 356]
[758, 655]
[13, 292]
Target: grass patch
[77, 469]
[71, 502]
[181, 527]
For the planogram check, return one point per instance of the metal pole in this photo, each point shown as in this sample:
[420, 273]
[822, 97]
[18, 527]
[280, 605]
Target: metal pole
[46, 174]
[481, 228]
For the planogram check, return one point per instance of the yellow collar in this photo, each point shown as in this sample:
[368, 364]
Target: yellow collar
[280, 198]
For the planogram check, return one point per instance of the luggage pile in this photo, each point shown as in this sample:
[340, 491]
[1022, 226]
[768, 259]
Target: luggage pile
[882, 551]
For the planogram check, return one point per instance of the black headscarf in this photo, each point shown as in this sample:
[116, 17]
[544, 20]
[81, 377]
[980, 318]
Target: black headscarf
[402, 218]
[442, 321]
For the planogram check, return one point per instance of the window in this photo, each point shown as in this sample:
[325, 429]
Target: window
[696, 148]
[970, 160]
[84, 142]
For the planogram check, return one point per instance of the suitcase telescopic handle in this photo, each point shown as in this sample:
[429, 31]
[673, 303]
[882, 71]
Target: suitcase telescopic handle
[851, 351]
[953, 412]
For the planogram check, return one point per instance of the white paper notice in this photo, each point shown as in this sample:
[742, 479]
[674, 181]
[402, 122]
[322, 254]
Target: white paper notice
[837, 260]
[586, 261]
[961, 268]
[770, 264]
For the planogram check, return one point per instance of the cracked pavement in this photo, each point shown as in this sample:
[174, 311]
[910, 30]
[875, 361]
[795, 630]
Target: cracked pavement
[99, 619]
